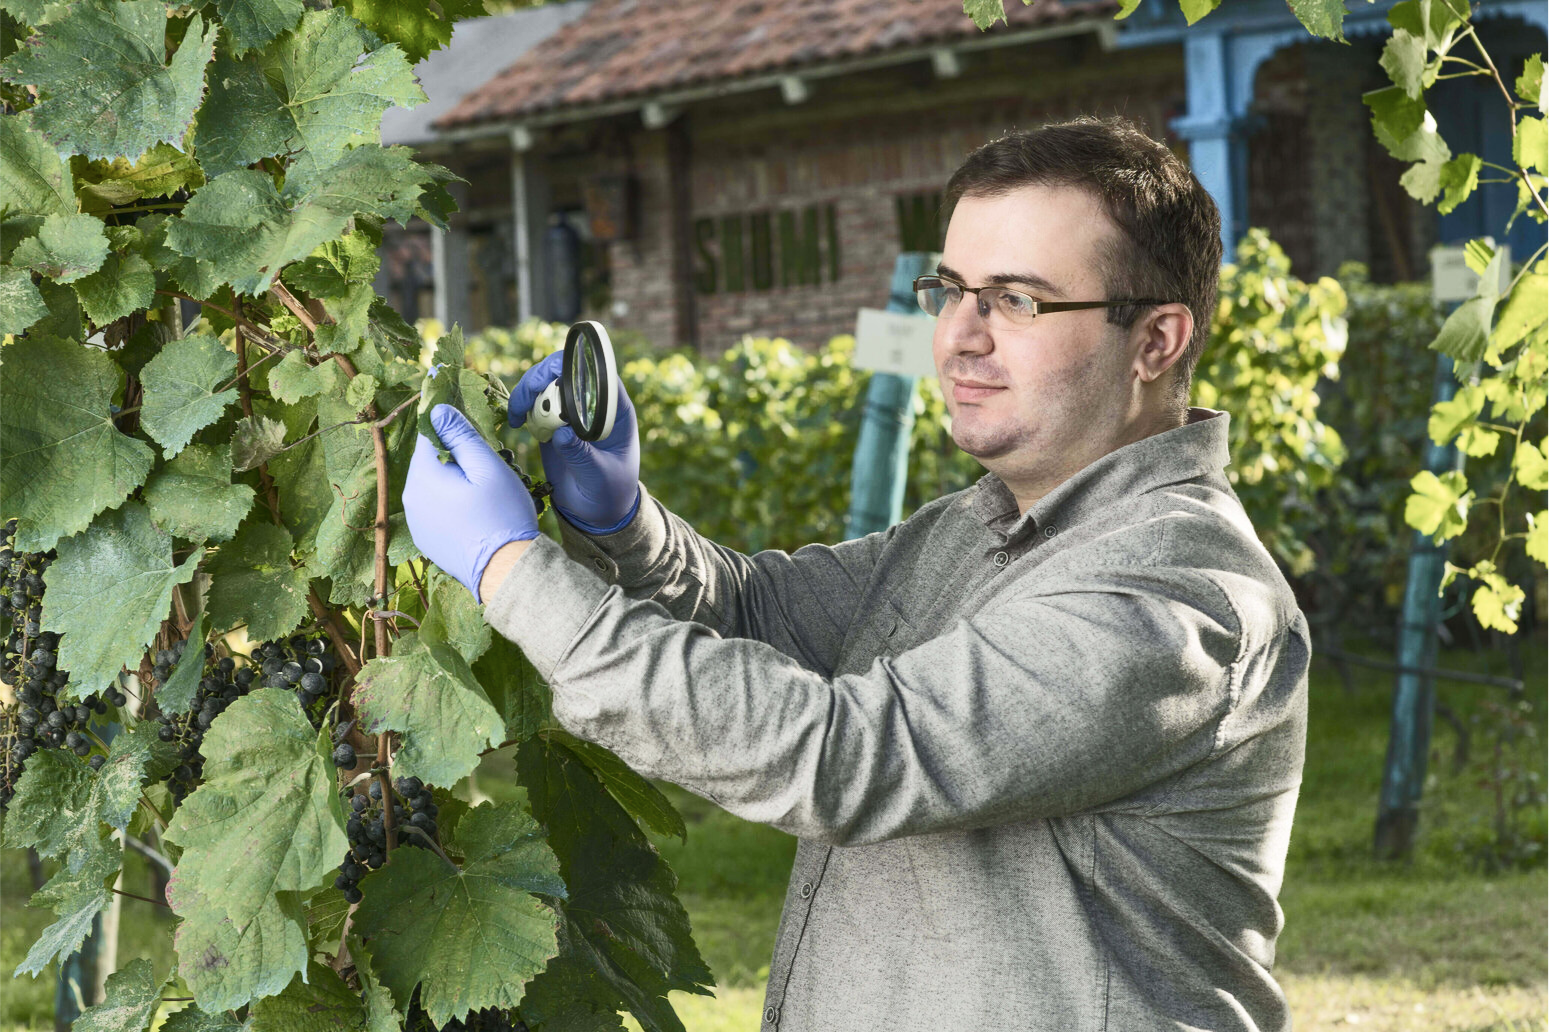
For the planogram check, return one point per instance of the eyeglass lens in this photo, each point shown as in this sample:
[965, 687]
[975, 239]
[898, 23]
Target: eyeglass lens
[996, 304]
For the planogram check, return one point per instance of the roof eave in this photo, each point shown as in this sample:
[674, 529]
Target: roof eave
[1102, 26]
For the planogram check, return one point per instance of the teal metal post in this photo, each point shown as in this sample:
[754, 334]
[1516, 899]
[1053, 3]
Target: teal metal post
[1414, 694]
[881, 465]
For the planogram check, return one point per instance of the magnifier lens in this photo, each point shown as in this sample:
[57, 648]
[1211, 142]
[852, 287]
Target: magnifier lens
[584, 382]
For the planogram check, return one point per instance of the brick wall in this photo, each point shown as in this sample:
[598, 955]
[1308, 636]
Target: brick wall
[858, 143]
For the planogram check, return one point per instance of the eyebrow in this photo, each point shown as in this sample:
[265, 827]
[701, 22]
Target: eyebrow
[1031, 279]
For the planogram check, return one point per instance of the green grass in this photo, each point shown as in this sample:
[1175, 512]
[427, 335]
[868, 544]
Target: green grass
[1437, 943]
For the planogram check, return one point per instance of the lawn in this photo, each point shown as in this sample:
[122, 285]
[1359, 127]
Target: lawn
[1438, 943]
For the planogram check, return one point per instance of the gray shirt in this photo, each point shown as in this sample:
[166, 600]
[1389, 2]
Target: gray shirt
[1042, 765]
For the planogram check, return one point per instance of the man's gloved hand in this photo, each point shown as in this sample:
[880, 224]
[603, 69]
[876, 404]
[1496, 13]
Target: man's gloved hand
[462, 512]
[596, 483]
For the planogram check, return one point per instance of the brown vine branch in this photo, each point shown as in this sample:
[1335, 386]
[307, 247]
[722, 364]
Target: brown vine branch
[147, 899]
[335, 634]
[257, 335]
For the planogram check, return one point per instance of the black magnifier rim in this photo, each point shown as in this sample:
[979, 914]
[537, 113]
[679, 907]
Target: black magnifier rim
[580, 337]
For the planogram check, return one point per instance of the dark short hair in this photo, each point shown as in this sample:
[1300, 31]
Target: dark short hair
[1170, 230]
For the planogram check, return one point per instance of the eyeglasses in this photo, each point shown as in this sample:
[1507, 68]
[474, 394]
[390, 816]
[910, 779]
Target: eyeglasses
[1002, 308]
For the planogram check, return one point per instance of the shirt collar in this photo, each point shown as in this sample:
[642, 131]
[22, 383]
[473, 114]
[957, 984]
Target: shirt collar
[1197, 448]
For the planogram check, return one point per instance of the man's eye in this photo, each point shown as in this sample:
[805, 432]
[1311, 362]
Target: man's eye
[1014, 304]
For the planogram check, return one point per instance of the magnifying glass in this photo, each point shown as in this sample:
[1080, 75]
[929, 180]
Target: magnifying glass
[586, 395]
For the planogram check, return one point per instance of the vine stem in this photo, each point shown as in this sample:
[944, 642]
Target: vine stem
[147, 899]
[252, 330]
[154, 812]
[1511, 116]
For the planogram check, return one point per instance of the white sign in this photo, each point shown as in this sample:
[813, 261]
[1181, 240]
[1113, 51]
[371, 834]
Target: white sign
[1453, 280]
[888, 342]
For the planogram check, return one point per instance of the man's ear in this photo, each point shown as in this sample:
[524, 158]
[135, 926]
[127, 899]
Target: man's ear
[1160, 336]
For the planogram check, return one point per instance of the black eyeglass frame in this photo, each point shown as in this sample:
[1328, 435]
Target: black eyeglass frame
[1039, 307]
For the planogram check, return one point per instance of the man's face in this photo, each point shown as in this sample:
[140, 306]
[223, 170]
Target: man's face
[1058, 388]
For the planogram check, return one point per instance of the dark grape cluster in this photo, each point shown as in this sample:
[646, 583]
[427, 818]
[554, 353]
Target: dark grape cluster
[414, 807]
[36, 718]
[221, 683]
[539, 489]
[303, 665]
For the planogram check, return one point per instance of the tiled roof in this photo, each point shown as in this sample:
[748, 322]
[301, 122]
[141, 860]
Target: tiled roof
[636, 48]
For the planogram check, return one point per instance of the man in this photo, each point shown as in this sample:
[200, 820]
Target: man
[1041, 742]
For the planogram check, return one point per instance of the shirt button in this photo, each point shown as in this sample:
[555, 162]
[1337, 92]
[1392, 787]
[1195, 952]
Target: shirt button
[600, 563]
[771, 1015]
[1002, 558]
[1048, 532]
[806, 890]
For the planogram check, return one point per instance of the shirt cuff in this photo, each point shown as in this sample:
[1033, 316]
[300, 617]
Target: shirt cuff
[544, 603]
[621, 557]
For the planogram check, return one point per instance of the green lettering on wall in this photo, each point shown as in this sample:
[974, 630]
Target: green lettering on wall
[763, 247]
[799, 261]
[833, 245]
[919, 224]
[731, 252]
[704, 268]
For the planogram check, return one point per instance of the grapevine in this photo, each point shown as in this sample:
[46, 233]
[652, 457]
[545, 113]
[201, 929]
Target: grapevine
[218, 633]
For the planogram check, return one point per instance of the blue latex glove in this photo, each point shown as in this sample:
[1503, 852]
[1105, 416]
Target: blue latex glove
[460, 513]
[596, 483]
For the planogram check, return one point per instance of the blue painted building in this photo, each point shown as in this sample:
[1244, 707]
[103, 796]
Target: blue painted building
[1254, 76]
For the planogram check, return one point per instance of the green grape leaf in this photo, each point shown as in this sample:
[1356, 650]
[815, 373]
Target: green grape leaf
[60, 801]
[1530, 84]
[621, 915]
[108, 592]
[264, 827]
[1530, 149]
[455, 618]
[1496, 602]
[228, 961]
[1448, 418]
[63, 323]
[1440, 505]
[62, 461]
[419, 909]
[124, 285]
[76, 897]
[194, 275]
[352, 317]
[334, 266]
[426, 691]
[177, 694]
[130, 999]
[1324, 18]
[415, 26]
[1478, 442]
[442, 387]
[252, 582]
[1404, 59]
[192, 497]
[515, 689]
[294, 379]
[116, 107]
[192, 1019]
[1457, 180]
[634, 793]
[1126, 8]
[33, 178]
[1466, 333]
[361, 391]
[181, 385]
[159, 172]
[1538, 536]
[1525, 310]
[985, 12]
[252, 23]
[345, 554]
[381, 1014]
[569, 996]
[67, 248]
[1530, 467]
[305, 495]
[21, 304]
[248, 231]
[1194, 10]
[1404, 126]
[315, 92]
[321, 1003]
[255, 441]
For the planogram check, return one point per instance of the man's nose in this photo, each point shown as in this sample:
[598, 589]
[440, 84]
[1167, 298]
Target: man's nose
[965, 329]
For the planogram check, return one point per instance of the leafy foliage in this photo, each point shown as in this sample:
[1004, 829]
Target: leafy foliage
[212, 520]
